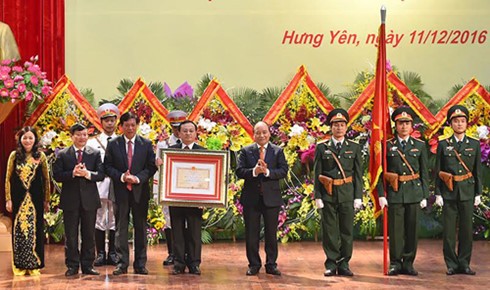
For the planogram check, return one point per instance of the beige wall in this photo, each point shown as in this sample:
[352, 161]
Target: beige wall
[239, 41]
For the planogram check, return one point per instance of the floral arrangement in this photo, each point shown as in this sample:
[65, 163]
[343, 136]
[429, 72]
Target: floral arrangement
[156, 223]
[151, 125]
[217, 129]
[23, 82]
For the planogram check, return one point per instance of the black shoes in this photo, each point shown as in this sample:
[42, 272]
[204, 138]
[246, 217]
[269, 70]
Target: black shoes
[178, 271]
[467, 271]
[141, 271]
[345, 272]
[169, 261]
[252, 271]
[195, 270]
[450, 271]
[410, 272]
[329, 272]
[90, 271]
[119, 271]
[273, 271]
[100, 260]
[71, 272]
[393, 271]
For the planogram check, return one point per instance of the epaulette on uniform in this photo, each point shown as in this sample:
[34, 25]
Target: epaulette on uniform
[322, 141]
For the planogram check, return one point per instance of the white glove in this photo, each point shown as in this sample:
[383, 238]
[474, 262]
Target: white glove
[383, 202]
[439, 201]
[477, 200]
[423, 203]
[357, 203]
[319, 203]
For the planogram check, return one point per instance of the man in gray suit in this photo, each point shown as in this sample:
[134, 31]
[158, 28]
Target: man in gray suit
[130, 162]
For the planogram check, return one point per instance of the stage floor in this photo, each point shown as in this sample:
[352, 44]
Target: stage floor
[224, 266]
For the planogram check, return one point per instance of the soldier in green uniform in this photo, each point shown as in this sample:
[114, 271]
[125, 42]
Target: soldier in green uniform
[460, 157]
[338, 160]
[409, 188]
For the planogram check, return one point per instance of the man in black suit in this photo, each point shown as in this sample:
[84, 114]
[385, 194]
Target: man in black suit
[78, 168]
[130, 162]
[262, 165]
[187, 241]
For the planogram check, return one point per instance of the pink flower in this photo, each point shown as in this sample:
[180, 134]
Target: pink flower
[8, 83]
[4, 76]
[21, 87]
[45, 90]
[17, 69]
[34, 80]
[6, 61]
[18, 78]
[29, 96]
[5, 69]
[4, 92]
[27, 64]
[14, 94]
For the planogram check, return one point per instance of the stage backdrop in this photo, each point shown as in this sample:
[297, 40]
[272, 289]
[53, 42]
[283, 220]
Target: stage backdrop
[259, 44]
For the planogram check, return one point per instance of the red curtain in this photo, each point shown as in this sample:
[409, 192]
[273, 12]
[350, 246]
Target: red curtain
[39, 29]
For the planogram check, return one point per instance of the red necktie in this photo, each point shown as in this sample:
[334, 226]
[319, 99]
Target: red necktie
[79, 156]
[262, 153]
[129, 186]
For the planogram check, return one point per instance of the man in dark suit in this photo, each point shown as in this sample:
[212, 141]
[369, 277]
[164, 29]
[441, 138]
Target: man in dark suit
[78, 168]
[130, 162]
[457, 204]
[407, 157]
[339, 159]
[262, 165]
[187, 241]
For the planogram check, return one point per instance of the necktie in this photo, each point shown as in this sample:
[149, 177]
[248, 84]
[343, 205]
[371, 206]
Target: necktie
[459, 145]
[339, 146]
[404, 143]
[79, 156]
[262, 153]
[129, 186]
[186, 147]
[109, 139]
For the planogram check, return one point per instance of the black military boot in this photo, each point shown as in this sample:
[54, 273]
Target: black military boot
[100, 260]
[113, 258]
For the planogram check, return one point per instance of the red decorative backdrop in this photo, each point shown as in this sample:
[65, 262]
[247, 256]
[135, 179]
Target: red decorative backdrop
[39, 29]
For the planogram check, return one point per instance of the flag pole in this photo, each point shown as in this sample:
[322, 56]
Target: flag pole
[382, 62]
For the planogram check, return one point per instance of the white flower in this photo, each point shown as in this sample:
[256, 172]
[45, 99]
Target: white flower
[296, 130]
[482, 132]
[310, 139]
[365, 119]
[145, 129]
[47, 138]
[206, 124]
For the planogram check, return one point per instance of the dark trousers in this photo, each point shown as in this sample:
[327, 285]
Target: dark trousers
[72, 219]
[139, 212]
[183, 243]
[403, 231]
[457, 214]
[337, 234]
[251, 215]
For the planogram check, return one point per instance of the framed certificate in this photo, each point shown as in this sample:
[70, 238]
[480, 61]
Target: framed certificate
[193, 178]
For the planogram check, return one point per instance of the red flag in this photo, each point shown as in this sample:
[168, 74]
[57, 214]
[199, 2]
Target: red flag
[381, 124]
[380, 116]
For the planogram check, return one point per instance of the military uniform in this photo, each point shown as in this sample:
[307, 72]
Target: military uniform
[459, 202]
[404, 209]
[338, 212]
